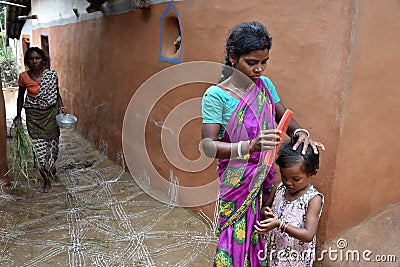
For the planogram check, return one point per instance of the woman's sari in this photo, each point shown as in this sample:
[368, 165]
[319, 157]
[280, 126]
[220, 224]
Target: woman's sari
[244, 183]
[41, 122]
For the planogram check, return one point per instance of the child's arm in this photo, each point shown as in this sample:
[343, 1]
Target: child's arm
[270, 199]
[305, 234]
[266, 212]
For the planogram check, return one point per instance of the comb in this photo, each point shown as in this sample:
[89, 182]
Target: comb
[283, 125]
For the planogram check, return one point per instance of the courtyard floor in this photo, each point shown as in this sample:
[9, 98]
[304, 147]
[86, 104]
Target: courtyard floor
[95, 215]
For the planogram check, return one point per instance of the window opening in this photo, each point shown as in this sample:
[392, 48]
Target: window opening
[26, 43]
[170, 35]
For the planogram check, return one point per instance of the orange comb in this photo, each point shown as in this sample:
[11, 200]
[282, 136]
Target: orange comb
[283, 125]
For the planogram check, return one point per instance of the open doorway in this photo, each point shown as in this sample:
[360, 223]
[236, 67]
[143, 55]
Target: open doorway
[26, 43]
[45, 47]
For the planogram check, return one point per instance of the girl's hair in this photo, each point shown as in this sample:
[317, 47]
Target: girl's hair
[287, 157]
[243, 39]
[37, 50]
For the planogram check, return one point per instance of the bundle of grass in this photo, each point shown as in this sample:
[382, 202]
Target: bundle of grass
[22, 153]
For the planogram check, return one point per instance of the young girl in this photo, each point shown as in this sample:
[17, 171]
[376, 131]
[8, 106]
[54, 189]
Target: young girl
[238, 127]
[292, 221]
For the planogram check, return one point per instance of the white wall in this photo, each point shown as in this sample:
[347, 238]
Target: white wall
[60, 12]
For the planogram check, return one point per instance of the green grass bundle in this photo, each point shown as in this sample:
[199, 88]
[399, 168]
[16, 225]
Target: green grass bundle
[22, 152]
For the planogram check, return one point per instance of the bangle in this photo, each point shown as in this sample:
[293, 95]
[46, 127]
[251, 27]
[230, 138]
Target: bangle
[284, 229]
[240, 149]
[301, 130]
[281, 225]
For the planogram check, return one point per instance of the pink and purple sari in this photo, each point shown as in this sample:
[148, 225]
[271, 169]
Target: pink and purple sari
[244, 183]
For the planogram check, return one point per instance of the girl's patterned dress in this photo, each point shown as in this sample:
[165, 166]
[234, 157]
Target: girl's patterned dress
[284, 250]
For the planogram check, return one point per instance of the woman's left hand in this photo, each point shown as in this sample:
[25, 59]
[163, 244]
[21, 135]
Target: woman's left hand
[62, 110]
[304, 138]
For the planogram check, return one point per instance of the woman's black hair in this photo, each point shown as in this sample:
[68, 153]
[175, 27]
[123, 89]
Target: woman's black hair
[243, 39]
[37, 50]
[287, 157]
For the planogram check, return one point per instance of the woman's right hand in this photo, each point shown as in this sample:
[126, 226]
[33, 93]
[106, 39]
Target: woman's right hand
[62, 110]
[17, 120]
[266, 140]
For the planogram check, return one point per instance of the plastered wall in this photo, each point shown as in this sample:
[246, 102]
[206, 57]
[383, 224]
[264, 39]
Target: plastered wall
[366, 169]
[333, 63]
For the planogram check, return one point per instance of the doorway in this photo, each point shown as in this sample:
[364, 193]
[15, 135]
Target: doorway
[45, 47]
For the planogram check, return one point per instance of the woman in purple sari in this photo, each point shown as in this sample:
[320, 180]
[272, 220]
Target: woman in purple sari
[238, 127]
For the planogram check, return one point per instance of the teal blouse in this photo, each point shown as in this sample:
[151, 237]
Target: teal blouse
[217, 105]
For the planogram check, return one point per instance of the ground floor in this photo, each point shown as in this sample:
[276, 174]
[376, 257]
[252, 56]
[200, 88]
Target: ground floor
[95, 215]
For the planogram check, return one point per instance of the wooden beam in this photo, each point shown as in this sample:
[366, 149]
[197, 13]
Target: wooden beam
[11, 4]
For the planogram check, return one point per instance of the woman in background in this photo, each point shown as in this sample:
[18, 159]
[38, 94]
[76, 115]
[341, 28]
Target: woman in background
[42, 103]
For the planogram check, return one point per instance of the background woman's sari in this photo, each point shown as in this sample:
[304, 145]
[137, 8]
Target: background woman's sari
[41, 112]
[244, 183]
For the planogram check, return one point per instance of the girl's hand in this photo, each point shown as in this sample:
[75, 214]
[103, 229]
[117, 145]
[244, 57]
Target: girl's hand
[62, 110]
[266, 140]
[266, 213]
[264, 226]
[306, 139]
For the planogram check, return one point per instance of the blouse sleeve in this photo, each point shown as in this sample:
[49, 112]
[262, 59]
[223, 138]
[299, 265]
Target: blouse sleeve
[211, 107]
[21, 80]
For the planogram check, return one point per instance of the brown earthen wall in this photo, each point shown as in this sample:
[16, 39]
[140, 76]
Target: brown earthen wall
[101, 62]
[366, 168]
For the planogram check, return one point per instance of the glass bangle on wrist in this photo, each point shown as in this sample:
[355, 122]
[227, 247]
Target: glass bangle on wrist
[240, 149]
[301, 130]
[241, 154]
[284, 229]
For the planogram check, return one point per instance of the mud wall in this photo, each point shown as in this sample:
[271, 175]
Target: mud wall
[321, 62]
[366, 165]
